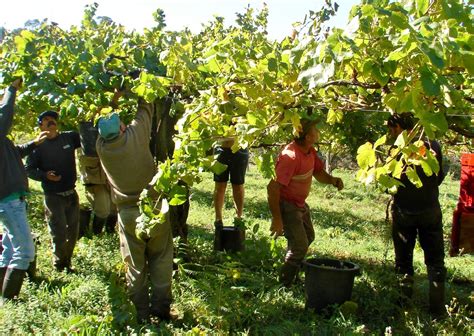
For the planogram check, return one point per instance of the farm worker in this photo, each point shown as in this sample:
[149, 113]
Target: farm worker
[54, 164]
[97, 188]
[98, 193]
[237, 163]
[416, 211]
[17, 241]
[127, 161]
[296, 165]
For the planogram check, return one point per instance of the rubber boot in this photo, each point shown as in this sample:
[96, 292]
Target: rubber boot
[110, 224]
[437, 308]
[84, 220]
[98, 224]
[3, 271]
[12, 283]
[217, 236]
[31, 271]
[288, 273]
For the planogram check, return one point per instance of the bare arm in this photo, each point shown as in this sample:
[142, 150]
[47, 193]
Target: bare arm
[273, 192]
[323, 177]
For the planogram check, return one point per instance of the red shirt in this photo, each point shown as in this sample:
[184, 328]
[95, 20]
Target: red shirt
[294, 171]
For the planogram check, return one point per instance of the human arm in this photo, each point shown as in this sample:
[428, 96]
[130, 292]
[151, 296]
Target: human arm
[27, 148]
[34, 171]
[143, 118]
[7, 107]
[273, 193]
[323, 177]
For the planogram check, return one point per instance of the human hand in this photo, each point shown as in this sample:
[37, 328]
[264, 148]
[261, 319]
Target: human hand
[337, 182]
[17, 83]
[41, 137]
[276, 228]
[116, 97]
[51, 175]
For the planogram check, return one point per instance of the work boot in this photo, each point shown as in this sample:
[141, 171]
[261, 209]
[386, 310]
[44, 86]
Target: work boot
[12, 283]
[98, 224]
[218, 225]
[3, 271]
[288, 273]
[165, 314]
[437, 308]
[110, 224]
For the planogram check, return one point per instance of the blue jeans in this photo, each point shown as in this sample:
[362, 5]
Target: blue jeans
[17, 241]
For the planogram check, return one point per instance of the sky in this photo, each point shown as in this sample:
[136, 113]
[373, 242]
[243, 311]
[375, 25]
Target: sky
[137, 14]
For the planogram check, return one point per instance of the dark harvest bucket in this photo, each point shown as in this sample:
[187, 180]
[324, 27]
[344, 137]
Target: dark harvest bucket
[231, 239]
[328, 282]
[88, 133]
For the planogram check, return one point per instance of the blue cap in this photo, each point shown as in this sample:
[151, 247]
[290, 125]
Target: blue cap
[109, 126]
[52, 114]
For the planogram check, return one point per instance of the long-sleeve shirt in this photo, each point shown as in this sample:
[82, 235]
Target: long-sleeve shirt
[13, 177]
[57, 155]
[127, 160]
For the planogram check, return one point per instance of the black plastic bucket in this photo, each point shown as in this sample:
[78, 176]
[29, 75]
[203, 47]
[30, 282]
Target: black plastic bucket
[231, 239]
[88, 133]
[328, 282]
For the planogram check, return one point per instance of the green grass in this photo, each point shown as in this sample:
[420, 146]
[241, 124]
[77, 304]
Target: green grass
[238, 294]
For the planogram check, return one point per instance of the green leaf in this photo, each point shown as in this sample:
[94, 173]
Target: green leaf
[399, 20]
[435, 59]
[379, 76]
[317, 75]
[468, 61]
[433, 122]
[380, 141]
[413, 177]
[432, 161]
[426, 167]
[272, 65]
[422, 6]
[401, 140]
[387, 181]
[335, 116]
[398, 170]
[429, 82]
[217, 167]
[366, 156]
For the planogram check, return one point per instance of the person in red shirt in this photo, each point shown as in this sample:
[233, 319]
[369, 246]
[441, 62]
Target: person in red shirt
[287, 193]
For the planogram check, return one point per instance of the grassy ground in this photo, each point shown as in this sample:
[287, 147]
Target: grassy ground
[238, 294]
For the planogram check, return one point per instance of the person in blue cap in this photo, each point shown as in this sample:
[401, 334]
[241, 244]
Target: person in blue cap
[129, 165]
[17, 241]
[53, 163]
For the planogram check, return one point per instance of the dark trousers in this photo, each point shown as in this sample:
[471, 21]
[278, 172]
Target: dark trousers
[429, 228]
[63, 221]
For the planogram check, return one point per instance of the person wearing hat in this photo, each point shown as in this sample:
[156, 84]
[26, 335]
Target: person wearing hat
[17, 241]
[297, 164]
[53, 163]
[125, 155]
